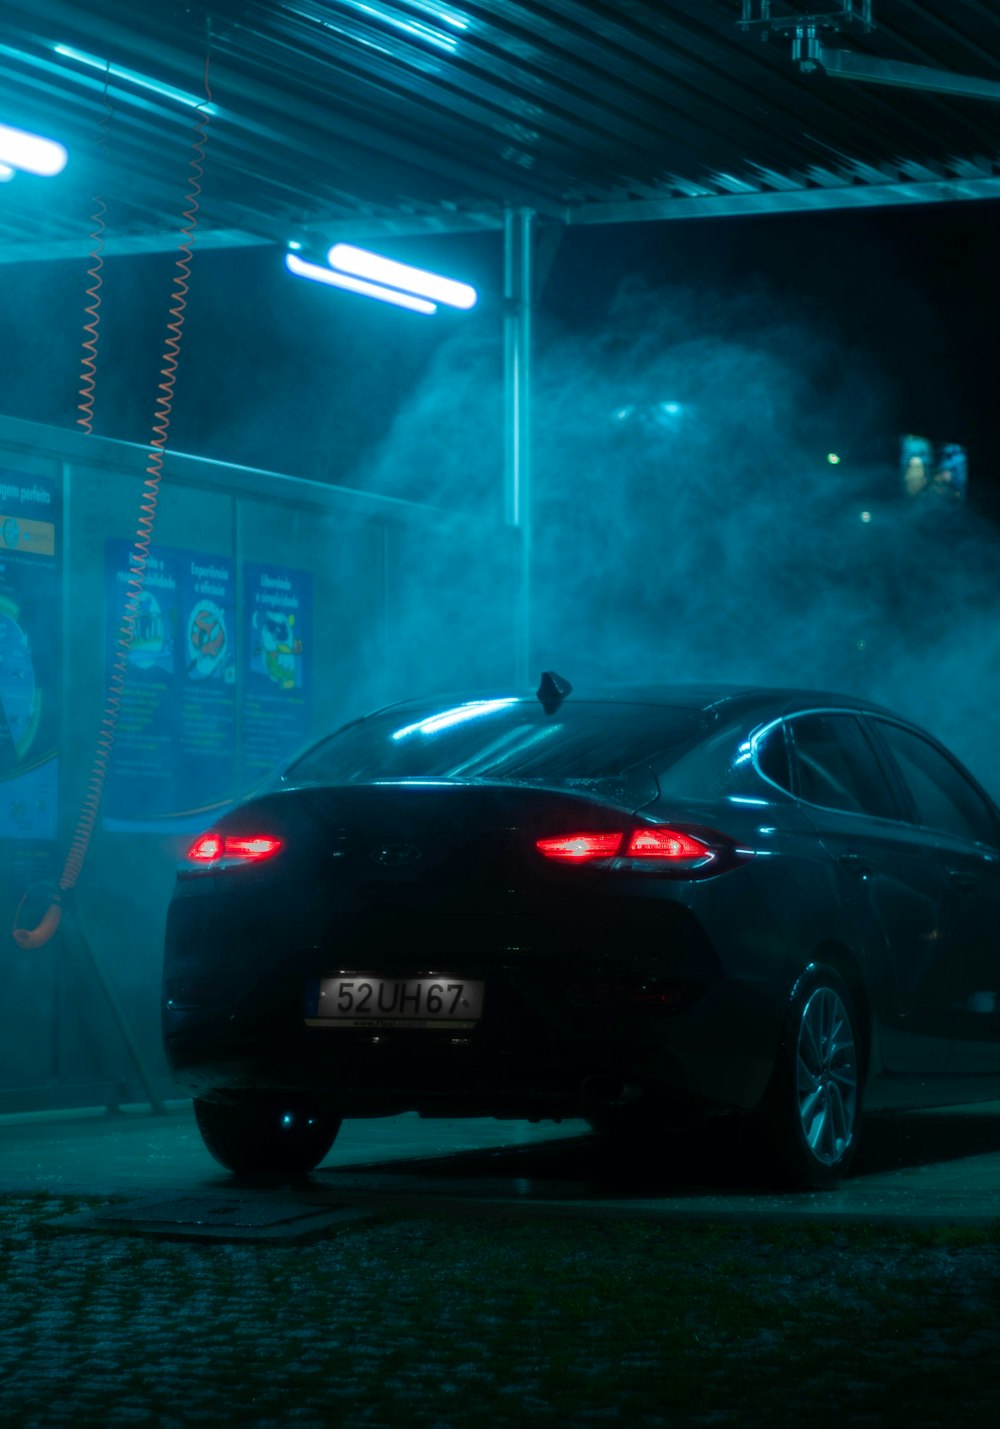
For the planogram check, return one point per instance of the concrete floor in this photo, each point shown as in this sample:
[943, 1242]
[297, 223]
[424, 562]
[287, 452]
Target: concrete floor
[923, 1167]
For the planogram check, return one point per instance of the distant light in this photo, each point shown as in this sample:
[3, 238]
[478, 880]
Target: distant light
[131, 77]
[623, 414]
[672, 409]
[833, 458]
[5, 174]
[30, 152]
[294, 246]
[400, 275]
[301, 269]
[473, 709]
[862, 644]
[866, 516]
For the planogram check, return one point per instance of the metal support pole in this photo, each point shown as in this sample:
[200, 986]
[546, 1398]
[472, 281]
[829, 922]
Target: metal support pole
[517, 286]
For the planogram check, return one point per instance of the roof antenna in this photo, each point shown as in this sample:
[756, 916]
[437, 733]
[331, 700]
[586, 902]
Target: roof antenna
[552, 691]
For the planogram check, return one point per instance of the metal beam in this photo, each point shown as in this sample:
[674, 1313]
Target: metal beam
[120, 246]
[518, 232]
[348, 229]
[84, 454]
[402, 225]
[845, 64]
[794, 200]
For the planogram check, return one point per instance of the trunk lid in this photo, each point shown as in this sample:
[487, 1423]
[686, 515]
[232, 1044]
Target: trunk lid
[452, 839]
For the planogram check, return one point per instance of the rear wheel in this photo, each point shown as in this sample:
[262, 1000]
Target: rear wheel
[811, 1114]
[267, 1135]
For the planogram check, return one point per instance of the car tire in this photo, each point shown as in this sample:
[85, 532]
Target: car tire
[267, 1135]
[810, 1117]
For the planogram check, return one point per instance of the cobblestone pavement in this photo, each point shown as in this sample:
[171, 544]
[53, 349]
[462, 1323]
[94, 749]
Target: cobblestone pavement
[433, 1321]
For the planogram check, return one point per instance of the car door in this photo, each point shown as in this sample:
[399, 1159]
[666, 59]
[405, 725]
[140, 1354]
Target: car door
[964, 826]
[888, 874]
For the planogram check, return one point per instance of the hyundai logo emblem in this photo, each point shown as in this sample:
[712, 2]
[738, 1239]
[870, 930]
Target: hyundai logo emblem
[391, 855]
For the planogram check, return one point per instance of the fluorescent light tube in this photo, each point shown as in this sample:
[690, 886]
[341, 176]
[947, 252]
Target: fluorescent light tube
[298, 266]
[20, 150]
[400, 275]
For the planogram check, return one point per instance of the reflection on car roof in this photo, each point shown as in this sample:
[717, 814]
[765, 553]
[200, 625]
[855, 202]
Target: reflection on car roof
[779, 698]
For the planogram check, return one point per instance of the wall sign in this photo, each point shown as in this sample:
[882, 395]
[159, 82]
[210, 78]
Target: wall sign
[175, 759]
[30, 655]
[277, 713]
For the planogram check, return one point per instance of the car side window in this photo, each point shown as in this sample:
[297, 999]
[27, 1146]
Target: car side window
[771, 754]
[837, 768]
[944, 798]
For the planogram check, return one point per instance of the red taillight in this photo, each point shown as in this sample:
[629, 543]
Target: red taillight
[648, 848]
[257, 847]
[666, 843]
[238, 848]
[577, 848]
[204, 849]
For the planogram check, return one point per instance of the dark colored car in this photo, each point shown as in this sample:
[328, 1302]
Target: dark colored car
[635, 906]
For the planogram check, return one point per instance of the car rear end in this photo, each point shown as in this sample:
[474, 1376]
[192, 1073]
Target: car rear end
[514, 927]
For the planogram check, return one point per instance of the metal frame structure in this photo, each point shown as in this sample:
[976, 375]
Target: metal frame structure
[333, 119]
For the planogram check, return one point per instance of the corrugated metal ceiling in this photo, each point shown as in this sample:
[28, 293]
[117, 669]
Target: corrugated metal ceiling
[344, 117]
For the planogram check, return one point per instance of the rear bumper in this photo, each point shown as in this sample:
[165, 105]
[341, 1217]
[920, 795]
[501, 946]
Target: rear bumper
[621, 988]
[526, 1061]
[369, 1079]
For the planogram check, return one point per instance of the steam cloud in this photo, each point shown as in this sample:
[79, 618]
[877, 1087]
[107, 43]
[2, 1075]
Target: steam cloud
[688, 527]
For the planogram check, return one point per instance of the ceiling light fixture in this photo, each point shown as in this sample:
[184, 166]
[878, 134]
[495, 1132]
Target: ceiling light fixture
[400, 275]
[302, 269]
[30, 152]
[131, 77]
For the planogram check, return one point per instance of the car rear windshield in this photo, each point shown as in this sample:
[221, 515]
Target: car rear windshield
[509, 740]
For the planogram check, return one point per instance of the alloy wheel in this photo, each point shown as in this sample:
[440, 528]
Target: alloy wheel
[827, 1076]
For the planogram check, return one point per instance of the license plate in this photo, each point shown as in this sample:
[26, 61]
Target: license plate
[359, 1000]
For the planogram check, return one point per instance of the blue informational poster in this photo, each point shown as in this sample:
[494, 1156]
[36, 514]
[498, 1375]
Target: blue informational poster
[174, 761]
[30, 658]
[277, 711]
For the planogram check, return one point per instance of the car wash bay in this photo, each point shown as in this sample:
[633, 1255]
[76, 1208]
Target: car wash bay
[524, 123]
[899, 106]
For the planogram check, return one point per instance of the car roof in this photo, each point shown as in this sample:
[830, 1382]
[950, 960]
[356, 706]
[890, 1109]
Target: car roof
[721, 698]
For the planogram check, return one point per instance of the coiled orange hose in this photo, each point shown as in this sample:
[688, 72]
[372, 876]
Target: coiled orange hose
[37, 937]
[88, 370]
[88, 375]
